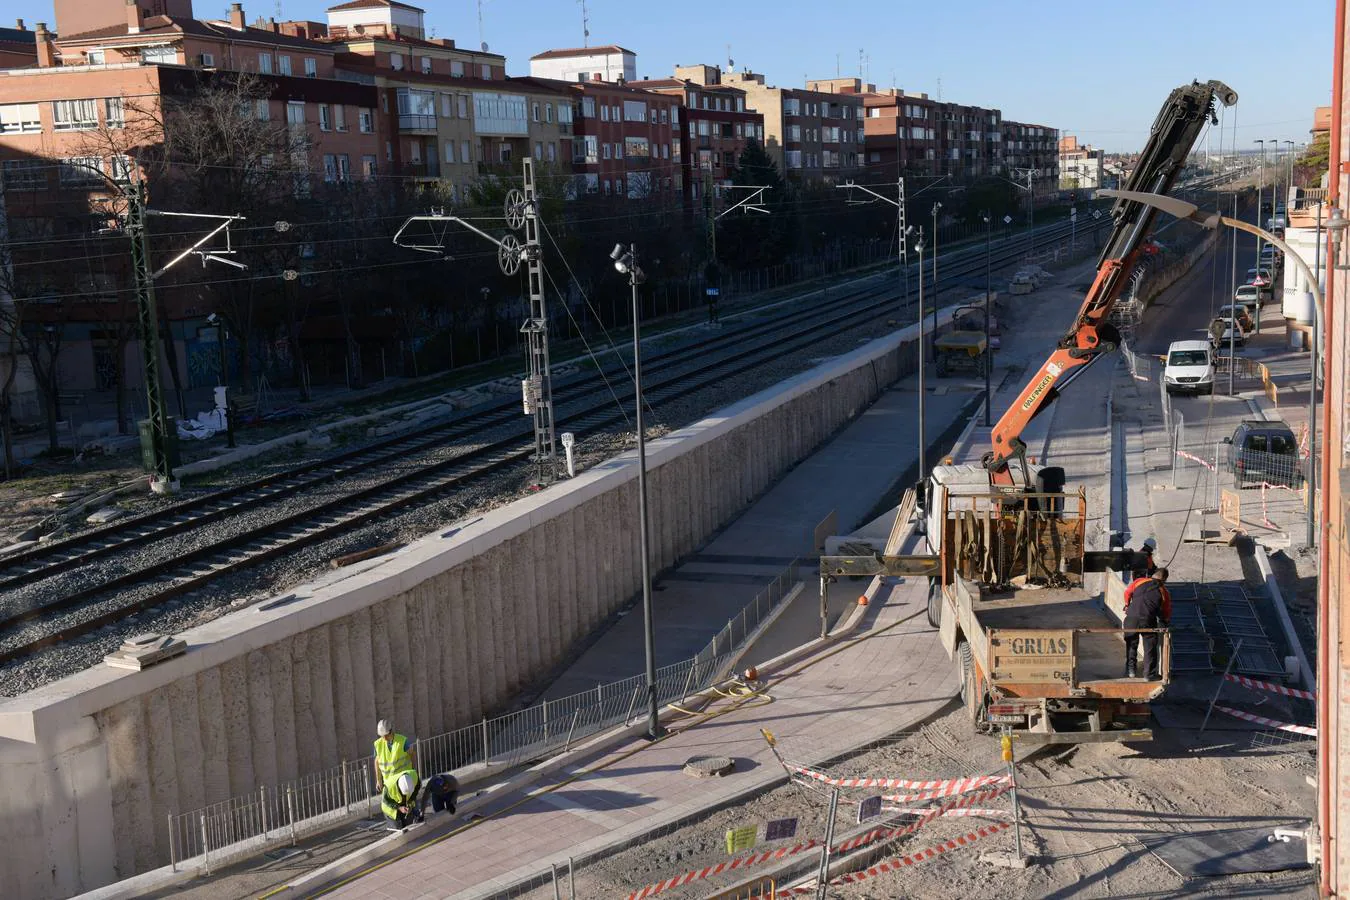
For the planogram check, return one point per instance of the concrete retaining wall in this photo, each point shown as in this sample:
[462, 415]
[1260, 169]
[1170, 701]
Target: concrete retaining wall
[435, 636]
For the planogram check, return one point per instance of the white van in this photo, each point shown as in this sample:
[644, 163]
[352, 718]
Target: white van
[1190, 368]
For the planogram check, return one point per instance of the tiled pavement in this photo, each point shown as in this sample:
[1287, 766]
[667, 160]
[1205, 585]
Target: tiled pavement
[888, 675]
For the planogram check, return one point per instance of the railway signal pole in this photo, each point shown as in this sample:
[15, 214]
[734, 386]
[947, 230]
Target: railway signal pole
[712, 273]
[522, 213]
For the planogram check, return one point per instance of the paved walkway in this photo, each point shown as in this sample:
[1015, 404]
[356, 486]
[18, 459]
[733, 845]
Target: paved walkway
[833, 701]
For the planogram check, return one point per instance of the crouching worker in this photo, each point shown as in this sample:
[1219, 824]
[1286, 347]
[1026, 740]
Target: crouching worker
[441, 792]
[399, 802]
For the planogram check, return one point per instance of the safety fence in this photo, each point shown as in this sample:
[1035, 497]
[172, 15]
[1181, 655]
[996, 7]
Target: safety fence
[249, 824]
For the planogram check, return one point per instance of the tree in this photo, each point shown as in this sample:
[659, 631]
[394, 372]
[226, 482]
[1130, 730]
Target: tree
[753, 240]
[1314, 161]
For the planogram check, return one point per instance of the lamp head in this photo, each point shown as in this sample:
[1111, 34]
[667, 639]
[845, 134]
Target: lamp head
[1337, 223]
[617, 253]
[212, 319]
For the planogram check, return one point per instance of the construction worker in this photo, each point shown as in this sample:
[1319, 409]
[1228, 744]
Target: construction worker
[393, 753]
[399, 802]
[441, 792]
[1149, 566]
[1147, 603]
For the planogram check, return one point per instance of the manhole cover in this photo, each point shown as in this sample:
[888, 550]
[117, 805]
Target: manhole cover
[709, 766]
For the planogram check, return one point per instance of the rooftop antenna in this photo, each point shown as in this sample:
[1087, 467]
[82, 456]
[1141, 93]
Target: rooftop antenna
[836, 65]
[939, 88]
[861, 74]
[280, 16]
[585, 25]
[892, 79]
[482, 42]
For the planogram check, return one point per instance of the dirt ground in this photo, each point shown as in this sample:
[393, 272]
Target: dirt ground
[1084, 811]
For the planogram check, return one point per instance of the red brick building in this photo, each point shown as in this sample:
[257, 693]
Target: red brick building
[626, 141]
[718, 123]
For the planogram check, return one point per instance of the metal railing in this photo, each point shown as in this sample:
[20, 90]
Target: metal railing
[248, 824]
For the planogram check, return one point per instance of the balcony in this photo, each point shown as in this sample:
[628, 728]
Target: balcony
[418, 124]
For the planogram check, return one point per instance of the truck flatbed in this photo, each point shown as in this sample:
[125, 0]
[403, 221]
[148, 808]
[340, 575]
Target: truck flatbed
[1100, 656]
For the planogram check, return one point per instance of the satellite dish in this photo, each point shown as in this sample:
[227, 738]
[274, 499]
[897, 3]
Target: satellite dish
[483, 46]
[731, 63]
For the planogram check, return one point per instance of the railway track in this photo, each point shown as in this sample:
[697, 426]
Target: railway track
[491, 437]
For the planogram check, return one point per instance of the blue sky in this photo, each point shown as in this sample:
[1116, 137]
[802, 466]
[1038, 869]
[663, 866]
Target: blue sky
[1098, 71]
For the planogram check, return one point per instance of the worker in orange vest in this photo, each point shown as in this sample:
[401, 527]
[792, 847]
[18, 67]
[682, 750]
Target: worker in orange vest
[1147, 603]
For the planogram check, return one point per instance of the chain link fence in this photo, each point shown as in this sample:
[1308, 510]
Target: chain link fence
[248, 824]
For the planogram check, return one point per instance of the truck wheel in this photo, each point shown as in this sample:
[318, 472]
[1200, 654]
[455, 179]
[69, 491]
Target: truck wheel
[934, 601]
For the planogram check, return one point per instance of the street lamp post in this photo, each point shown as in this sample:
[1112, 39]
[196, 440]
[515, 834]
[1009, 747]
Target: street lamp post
[1337, 225]
[988, 299]
[923, 468]
[625, 261]
[937, 291]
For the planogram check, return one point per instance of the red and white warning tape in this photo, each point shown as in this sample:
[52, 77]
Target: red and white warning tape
[875, 834]
[1273, 688]
[955, 786]
[1193, 458]
[893, 865]
[941, 788]
[1262, 720]
[975, 811]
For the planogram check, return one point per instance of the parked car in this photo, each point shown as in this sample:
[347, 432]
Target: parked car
[1264, 451]
[1189, 367]
[1239, 312]
[1256, 275]
[1223, 332]
[1249, 295]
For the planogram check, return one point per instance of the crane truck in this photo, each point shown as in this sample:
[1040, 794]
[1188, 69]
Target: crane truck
[1040, 654]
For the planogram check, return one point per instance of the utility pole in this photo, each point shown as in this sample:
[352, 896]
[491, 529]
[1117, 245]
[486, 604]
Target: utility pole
[521, 213]
[712, 274]
[923, 439]
[1030, 174]
[937, 291]
[988, 300]
[902, 231]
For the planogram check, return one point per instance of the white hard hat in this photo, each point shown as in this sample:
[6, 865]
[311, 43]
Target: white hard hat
[383, 727]
[405, 784]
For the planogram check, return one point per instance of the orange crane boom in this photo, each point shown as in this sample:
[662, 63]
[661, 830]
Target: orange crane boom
[1174, 132]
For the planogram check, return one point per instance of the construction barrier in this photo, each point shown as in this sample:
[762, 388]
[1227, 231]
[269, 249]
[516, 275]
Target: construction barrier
[876, 834]
[947, 786]
[1268, 686]
[956, 788]
[974, 811]
[894, 865]
[1262, 720]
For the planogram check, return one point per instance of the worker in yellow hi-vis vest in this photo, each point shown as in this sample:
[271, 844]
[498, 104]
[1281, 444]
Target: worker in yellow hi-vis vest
[393, 753]
[399, 801]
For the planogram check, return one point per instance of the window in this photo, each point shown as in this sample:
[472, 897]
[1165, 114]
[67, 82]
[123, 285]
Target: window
[665, 151]
[702, 127]
[112, 112]
[283, 64]
[262, 110]
[457, 68]
[329, 167]
[794, 159]
[426, 65]
[504, 152]
[674, 115]
[739, 132]
[604, 113]
[151, 55]
[119, 167]
[74, 115]
[552, 151]
[740, 104]
[295, 113]
[618, 186]
[264, 63]
[80, 170]
[634, 111]
[548, 112]
[614, 112]
[25, 175]
[534, 111]
[369, 165]
[325, 121]
[586, 149]
[792, 107]
[366, 117]
[388, 151]
[665, 115]
[462, 105]
[20, 118]
[538, 149]
[208, 60]
[465, 152]
[94, 57]
[636, 147]
[564, 113]
[415, 151]
[607, 187]
[447, 106]
[311, 67]
[396, 61]
[416, 109]
[449, 151]
[794, 133]
[618, 150]
[485, 72]
[340, 117]
[606, 150]
[875, 156]
[588, 107]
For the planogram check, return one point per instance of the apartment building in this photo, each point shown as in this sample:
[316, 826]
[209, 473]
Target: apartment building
[627, 141]
[610, 63]
[1035, 149]
[814, 134]
[17, 46]
[970, 141]
[718, 124]
[1081, 167]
